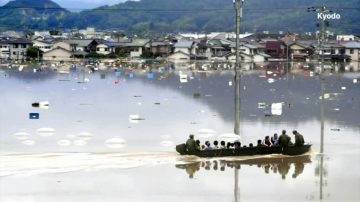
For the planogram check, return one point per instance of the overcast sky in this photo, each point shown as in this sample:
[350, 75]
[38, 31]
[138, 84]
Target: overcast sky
[71, 4]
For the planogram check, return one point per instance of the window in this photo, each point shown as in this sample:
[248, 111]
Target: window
[16, 45]
[351, 51]
[14, 53]
[23, 45]
[97, 49]
[106, 49]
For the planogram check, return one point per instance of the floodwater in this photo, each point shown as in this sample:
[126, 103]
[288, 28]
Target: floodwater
[110, 136]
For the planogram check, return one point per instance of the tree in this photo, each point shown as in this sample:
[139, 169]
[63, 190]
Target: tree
[34, 52]
[54, 32]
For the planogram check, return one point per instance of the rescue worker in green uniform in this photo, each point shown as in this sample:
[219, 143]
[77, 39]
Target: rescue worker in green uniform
[191, 144]
[284, 139]
[299, 139]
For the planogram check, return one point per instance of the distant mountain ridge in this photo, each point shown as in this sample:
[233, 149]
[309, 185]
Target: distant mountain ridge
[34, 14]
[184, 16]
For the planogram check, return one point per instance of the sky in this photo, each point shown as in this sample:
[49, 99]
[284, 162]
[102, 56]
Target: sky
[83, 4]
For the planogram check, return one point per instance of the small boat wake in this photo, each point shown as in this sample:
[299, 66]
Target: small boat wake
[44, 163]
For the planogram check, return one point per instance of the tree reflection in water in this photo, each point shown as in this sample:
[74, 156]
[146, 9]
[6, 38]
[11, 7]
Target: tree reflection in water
[275, 165]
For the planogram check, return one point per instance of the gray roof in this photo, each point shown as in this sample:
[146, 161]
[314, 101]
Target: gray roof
[160, 43]
[184, 44]
[16, 41]
[352, 45]
[79, 42]
[138, 42]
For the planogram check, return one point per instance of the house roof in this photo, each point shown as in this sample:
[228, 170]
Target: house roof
[58, 48]
[138, 42]
[184, 44]
[79, 42]
[16, 41]
[161, 43]
[352, 45]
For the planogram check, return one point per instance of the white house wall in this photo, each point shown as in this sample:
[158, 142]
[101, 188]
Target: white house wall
[57, 55]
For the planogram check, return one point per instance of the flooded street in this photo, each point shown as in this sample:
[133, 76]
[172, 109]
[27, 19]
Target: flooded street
[111, 135]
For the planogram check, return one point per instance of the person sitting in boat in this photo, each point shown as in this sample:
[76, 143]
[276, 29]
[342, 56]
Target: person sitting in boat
[191, 144]
[222, 145]
[228, 145]
[299, 139]
[208, 146]
[275, 139]
[267, 141]
[198, 146]
[237, 144]
[216, 144]
[259, 144]
[284, 139]
[251, 145]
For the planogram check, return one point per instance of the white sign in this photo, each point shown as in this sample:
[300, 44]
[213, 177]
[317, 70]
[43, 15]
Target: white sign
[327, 16]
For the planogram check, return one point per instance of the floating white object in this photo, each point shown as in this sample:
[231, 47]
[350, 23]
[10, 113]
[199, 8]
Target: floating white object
[230, 83]
[22, 135]
[46, 132]
[276, 109]
[183, 77]
[28, 142]
[270, 80]
[64, 143]
[79, 143]
[355, 81]
[85, 136]
[167, 143]
[115, 143]
[343, 88]
[21, 68]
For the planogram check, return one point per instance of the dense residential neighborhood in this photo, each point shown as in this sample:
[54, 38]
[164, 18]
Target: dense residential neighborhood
[219, 47]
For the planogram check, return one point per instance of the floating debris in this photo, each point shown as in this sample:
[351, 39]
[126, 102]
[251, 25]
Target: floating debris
[41, 105]
[335, 129]
[197, 95]
[34, 116]
[80, 143]
[261, 105]
[157, 103]
[115, 143]
[85, 136]
[167, 143]
[276, 109]
[46, 132]
[343, 88]
[22, 135]
[28, 142]
[64, 143]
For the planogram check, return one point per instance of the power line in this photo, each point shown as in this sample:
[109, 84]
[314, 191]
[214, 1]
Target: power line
[164, 10]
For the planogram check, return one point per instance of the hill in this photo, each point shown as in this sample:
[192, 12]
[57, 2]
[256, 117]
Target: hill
[199, 16]
[39, 14]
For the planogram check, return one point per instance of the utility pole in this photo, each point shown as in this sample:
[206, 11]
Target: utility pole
[238, 6]
[321, 46]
